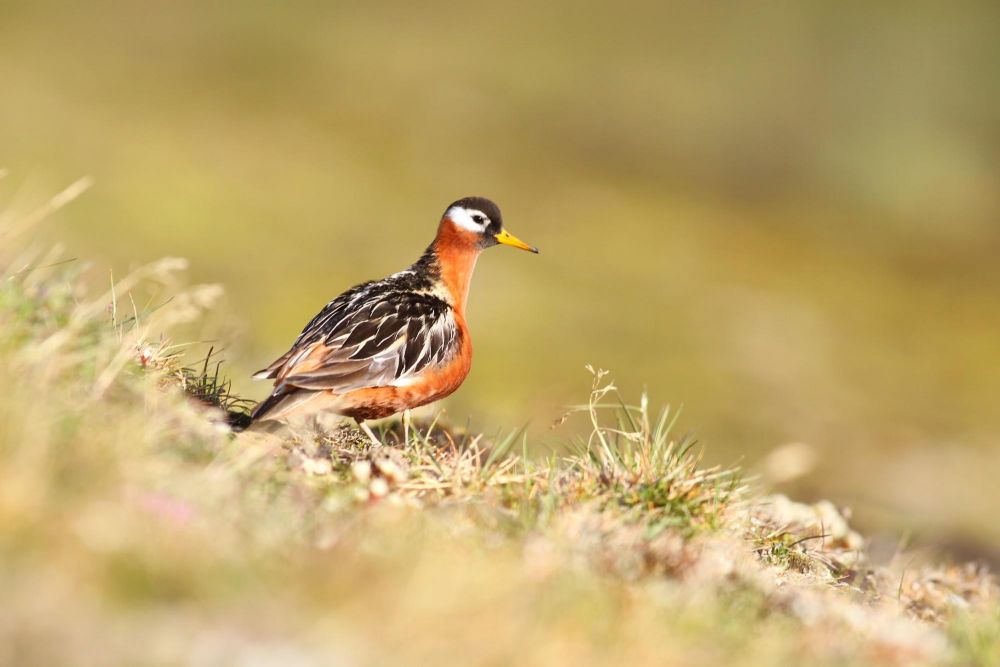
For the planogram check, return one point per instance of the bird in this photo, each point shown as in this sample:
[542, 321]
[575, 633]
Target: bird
[386, 346]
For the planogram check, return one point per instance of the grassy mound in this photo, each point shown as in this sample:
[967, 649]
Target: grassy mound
[137, 528]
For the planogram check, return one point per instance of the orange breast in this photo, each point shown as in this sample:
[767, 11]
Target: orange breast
[431, 384]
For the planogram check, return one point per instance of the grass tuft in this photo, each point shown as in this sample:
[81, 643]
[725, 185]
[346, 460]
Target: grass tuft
[129, 510]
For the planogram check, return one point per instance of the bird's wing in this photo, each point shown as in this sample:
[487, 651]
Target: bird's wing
[368, 339]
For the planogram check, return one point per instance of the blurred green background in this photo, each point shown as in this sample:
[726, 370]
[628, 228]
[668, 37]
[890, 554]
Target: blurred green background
[785, 216]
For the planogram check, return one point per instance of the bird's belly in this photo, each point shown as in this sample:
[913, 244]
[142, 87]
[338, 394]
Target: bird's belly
[432, 384]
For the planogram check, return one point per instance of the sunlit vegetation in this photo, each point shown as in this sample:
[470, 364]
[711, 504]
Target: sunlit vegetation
[136, 527]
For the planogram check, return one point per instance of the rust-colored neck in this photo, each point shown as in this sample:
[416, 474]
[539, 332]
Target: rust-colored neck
[457, 251]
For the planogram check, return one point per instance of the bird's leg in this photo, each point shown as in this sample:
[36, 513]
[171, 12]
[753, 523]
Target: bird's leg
[368, 431]
[406, 428]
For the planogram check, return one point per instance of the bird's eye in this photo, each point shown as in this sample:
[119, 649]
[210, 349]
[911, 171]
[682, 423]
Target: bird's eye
[478, 219]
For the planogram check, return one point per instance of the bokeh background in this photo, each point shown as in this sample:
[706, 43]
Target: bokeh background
[784, 216]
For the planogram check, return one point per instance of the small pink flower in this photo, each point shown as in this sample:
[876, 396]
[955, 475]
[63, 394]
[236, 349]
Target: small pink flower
[164, 506]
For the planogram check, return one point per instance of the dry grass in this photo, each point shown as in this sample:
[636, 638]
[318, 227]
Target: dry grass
[136, 528]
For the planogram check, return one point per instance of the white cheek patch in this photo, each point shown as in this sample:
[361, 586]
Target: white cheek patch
[463, 218]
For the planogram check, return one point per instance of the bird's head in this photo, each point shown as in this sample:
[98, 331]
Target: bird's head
[476, 222]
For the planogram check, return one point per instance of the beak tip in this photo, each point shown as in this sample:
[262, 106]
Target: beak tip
[506, 238]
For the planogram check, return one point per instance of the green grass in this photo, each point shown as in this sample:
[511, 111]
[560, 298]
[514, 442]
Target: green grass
[135, 526]
[776, 205]
[977, 639]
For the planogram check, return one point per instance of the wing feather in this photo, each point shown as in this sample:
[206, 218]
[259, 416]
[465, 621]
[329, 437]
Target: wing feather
[368, 339]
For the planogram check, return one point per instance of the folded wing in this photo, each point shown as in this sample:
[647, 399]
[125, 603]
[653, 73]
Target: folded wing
[367, 340]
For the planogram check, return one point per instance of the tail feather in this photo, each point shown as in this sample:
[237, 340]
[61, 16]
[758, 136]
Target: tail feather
[283, 403]
[268, 405]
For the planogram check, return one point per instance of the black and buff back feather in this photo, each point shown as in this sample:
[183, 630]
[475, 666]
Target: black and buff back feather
[380, 333]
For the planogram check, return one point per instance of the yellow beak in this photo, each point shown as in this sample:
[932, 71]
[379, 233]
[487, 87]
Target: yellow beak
[507, 238]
